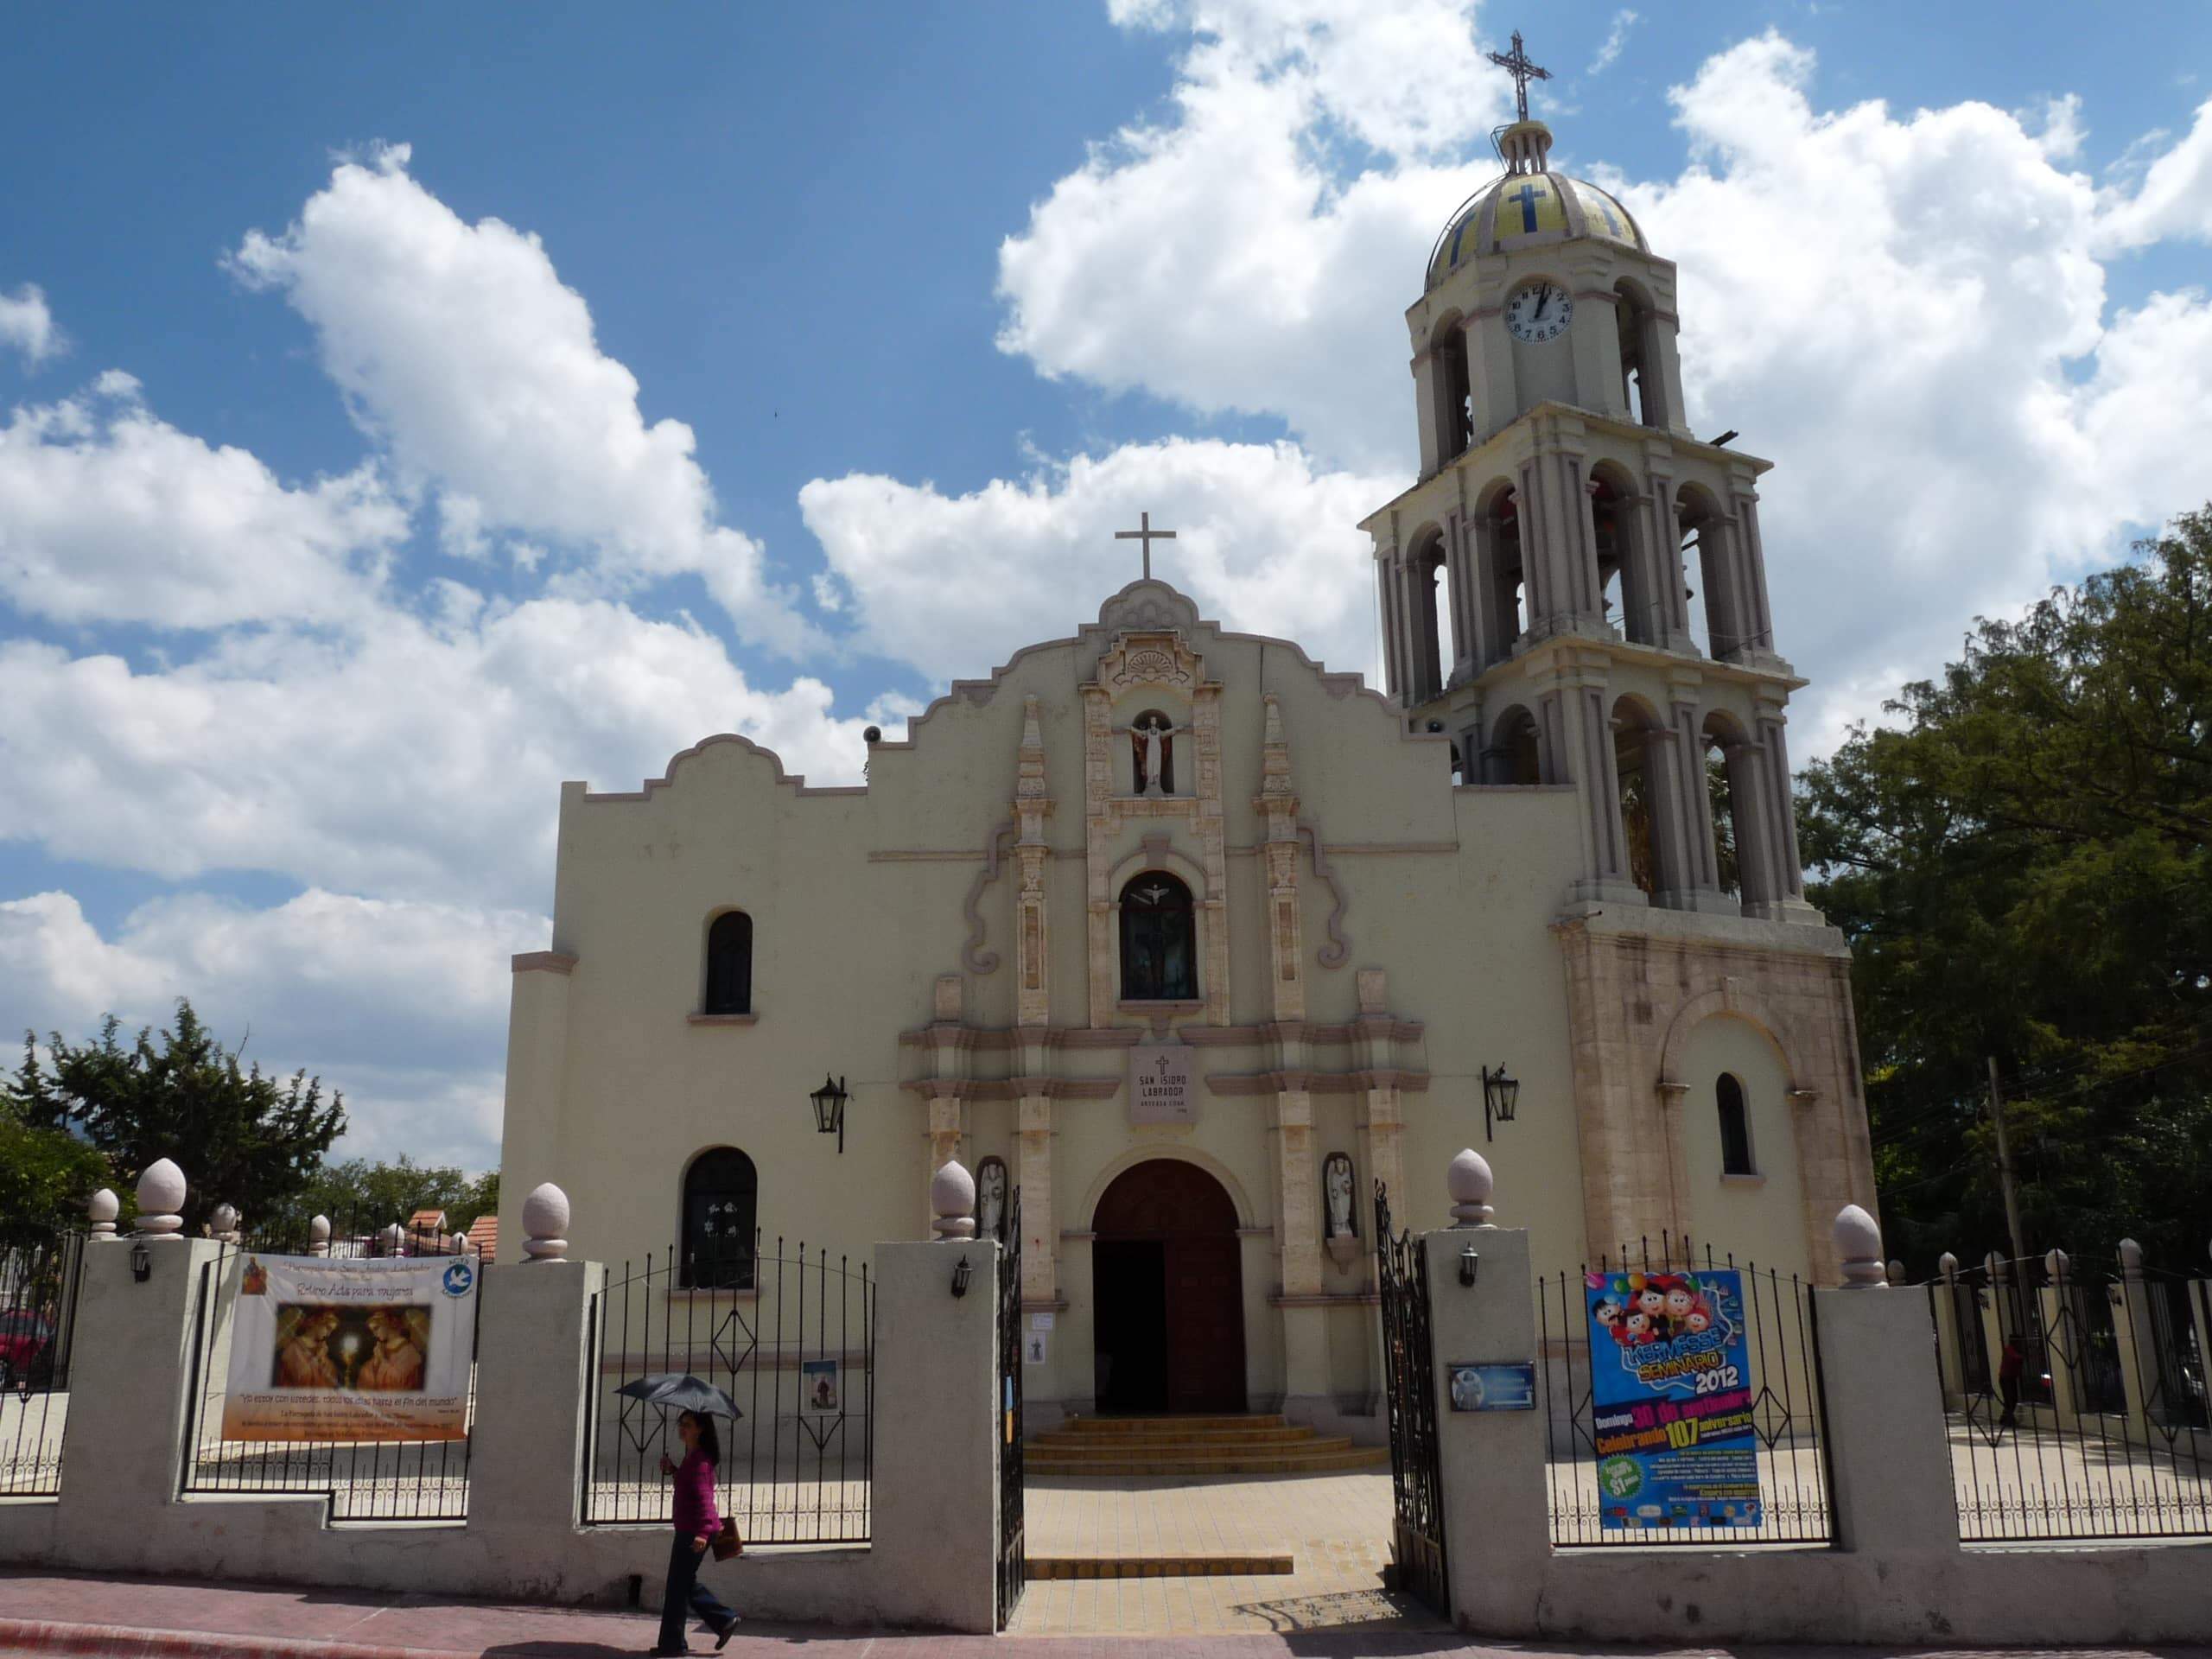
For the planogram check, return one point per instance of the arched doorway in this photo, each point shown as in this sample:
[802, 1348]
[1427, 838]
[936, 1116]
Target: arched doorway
[1168, 1285]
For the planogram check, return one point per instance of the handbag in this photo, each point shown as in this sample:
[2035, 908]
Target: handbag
[726, 1543]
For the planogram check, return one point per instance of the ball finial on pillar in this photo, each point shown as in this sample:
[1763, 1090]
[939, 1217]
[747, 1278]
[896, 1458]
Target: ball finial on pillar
[1948, 1265]
[2057, 1263]
[545, 1222]
[226, 1222]
[952, 1201]
[2131, 1258]
[160, 1195]
[1471, 1183]
[1859, 1248]
[102, 1212]
[319, 1235]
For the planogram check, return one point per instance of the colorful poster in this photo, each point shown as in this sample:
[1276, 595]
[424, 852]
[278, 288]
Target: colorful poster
[1671, 1399]
[822, 1392]
[351, 1350]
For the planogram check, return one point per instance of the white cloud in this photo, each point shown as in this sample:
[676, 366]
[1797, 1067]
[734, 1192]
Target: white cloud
[399, 1004]
[1608, 49]
[109, 514]
[2175, 196]
[413, 756]
[1222, 261]
[27, 324]
[1263, 542]
[459, 348]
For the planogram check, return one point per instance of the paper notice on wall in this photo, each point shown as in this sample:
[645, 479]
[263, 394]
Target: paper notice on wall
[351, 1351]
[1160, 1084]
[1671, 1393]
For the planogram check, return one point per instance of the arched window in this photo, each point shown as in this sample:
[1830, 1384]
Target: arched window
[1735, 1127]
[1630, 605]
[1724, 753]
[730, 964]
[1513, 756]
[1502, 581]
[1432, 645]
[1639, 345]
[1160, 954]
[721, 1197]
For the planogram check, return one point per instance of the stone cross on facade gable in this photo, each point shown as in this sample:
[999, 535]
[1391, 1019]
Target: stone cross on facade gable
[1148, 535]
[1515, 63]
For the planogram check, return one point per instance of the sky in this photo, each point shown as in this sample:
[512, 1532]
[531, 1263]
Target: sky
[403, 411]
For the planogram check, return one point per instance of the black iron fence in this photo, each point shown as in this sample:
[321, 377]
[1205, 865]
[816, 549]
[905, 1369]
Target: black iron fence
[792, 1339]
[388, 1480]
[1780, 1346]
[2075, 1395]
[1014, 1530]
[41, 1274]
[1418, 1561]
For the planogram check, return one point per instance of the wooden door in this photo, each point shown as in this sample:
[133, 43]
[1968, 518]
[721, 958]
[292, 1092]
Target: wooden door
[1206, 1324]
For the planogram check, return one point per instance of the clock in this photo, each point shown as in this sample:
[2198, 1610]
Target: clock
[1538, 311]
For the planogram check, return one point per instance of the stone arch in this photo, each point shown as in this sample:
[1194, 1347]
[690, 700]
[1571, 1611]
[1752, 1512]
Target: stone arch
[1452, 386]
[1643, 370]
[1130, 1157]
[1429, 610]
[1514, 752]
[1729, 1000]
[1639, 766]
[1706, 527]
[1500, 574]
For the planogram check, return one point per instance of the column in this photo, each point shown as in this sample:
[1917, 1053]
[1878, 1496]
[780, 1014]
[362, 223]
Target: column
[1497, 1512]
[1394, 652]
[1032, 934]
[1040, 1234]
[1460, 578]
[939, 1433]
[1490, 631]
[1758, 877]
[1888, 1452]
[529, 1359]
[1426, 411]
[1669, 586]
[1758, 614]
[1298, 1246]
[1587, 585]
[1666, 774]
[1537, 585]
[2135, 1332]
[1780, 807]
[1703, 859]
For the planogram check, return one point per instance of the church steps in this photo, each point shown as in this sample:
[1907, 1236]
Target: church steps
[1261, 1445]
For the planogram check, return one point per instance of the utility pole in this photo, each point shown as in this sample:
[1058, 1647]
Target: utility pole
[2004, 1179]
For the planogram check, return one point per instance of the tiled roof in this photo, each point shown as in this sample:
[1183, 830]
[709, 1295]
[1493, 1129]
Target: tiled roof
[484, 1236]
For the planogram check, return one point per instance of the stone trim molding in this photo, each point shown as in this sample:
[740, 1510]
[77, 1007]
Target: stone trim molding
[1177, 1152]
[977, 1038]
[1013, 1088]
[1316, 1082]
[752, 1019]
[1328, 1299]
[795, 781]
[1403, 1031]
[542, 962]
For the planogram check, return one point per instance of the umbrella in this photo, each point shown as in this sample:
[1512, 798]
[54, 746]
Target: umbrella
[679, 1392]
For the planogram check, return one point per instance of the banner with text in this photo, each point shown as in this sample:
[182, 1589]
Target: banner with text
[1671, 1399]
[376, 1350]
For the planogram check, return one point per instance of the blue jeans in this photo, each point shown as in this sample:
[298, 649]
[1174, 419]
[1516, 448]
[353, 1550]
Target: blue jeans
[685, 1591]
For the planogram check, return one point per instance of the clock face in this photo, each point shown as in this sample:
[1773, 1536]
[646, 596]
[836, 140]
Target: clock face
[1538, 311]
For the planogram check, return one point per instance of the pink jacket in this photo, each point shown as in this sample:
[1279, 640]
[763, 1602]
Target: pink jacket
[695, 1515]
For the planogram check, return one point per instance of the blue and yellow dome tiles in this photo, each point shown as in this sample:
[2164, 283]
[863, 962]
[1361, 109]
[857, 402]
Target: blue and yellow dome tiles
[1524, 209]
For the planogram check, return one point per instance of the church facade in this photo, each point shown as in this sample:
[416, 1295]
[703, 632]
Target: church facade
[1194, 941]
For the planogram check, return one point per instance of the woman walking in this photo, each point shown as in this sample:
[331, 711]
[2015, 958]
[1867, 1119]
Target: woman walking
[696, 1524]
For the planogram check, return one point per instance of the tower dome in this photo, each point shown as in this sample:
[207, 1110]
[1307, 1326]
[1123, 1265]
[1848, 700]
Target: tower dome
[1527, 205]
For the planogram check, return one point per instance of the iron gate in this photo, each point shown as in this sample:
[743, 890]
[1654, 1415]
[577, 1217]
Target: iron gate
[1409, 1388]
[1012, 1556]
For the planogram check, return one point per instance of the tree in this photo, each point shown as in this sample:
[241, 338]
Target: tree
[46, 1175]
[241, 1137]
[359, 1196]
[2021, 855]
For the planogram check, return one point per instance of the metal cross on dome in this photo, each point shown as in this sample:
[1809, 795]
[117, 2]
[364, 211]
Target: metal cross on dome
[1148, 535]
[1515, 63]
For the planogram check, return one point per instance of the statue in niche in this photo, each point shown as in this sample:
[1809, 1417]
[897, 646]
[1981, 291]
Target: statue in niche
[990, 1199]
[1151, 745]
[1336, 1190]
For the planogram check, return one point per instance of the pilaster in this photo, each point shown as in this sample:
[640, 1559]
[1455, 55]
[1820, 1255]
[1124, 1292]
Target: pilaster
[1033, 936]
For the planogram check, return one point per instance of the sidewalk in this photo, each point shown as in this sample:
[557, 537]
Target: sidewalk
[163, 1618]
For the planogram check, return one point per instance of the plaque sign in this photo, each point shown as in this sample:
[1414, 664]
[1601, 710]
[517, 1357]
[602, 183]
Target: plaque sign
[1160, 1084]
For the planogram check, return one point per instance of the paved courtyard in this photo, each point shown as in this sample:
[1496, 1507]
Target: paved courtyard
[1335, 1527]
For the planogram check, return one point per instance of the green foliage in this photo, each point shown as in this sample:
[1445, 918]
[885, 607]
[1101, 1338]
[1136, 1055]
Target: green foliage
[239, 1136]
[46, 1175]
[2022, 859]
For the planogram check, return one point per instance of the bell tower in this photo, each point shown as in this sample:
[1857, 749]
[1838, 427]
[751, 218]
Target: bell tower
[1574, 588]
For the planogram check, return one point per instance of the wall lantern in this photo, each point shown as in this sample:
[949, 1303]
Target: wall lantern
[1501, 1096]
[960, 1276]
[1468, 1262]
[141, 1261]
[829, 1109]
